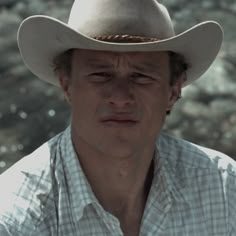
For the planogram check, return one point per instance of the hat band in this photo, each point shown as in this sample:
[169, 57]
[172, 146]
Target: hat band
[125, 38]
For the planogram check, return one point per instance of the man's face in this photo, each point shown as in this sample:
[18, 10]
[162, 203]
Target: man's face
[119, 100]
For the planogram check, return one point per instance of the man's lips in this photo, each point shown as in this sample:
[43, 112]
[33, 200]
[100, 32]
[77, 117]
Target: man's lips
[122, 119]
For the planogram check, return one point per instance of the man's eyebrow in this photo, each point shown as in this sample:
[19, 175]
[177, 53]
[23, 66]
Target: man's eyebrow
[98, 64]
[152, 67]
[102, 64]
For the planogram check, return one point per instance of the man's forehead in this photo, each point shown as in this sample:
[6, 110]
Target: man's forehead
[106, 58]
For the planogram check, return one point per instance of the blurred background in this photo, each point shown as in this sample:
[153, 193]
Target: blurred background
[32, 111]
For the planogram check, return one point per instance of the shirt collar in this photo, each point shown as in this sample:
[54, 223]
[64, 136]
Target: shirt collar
[168, 179]
[79, 189]
[168, 169]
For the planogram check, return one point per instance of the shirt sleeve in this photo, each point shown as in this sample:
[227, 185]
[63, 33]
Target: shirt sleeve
[4, 230]
[231, 188]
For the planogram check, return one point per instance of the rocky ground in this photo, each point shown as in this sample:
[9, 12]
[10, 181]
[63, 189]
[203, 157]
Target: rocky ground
[32, 111]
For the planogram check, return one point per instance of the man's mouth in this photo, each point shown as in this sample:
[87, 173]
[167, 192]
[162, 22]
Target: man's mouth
[120, 120]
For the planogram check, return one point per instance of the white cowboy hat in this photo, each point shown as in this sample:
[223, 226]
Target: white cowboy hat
[41, 38]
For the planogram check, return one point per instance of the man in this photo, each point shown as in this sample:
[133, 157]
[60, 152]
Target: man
[113, 172]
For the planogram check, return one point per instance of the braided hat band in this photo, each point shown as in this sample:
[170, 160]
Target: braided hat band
[125, 38]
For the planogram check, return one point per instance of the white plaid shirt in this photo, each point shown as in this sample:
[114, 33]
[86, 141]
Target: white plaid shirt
[46, 193]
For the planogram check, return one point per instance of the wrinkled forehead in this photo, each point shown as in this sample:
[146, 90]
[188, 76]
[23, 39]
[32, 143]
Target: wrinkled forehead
[105, 59]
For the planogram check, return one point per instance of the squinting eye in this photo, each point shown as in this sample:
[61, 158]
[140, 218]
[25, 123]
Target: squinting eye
[102, 74]
[141, 78]
[100, 77]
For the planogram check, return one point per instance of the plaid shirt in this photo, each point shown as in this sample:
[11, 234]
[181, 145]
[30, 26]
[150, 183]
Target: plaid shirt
[46, 193]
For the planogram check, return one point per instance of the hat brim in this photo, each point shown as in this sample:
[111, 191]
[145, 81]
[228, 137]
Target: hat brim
[41, 38]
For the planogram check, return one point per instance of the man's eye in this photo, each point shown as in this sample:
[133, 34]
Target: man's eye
[100, 77]
[102, 74]
[141, 78]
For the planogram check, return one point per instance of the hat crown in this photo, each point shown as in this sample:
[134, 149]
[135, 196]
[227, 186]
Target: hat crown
[146, 18]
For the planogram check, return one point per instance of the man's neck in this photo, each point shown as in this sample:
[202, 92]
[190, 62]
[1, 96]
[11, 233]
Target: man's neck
[120, 185]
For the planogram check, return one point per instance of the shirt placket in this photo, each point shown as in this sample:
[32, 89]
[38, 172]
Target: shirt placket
[113, 225]
[110, 221]
[155, 214]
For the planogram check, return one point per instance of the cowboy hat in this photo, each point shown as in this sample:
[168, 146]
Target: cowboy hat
[41, 38]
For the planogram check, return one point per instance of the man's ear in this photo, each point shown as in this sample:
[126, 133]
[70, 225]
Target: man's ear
[175, 92]
[65, 84]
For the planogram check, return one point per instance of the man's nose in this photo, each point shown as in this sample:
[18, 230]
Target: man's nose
[121, 93]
